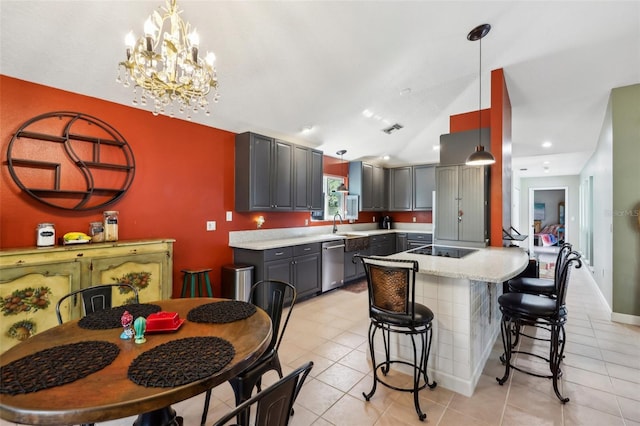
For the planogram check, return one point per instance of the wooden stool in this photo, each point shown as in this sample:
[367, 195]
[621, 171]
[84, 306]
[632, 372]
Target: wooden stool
[202, 276]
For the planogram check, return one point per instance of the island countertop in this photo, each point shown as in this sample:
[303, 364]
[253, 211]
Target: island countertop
[490, 264]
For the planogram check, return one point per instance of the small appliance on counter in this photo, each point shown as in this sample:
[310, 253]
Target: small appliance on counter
[385, 222]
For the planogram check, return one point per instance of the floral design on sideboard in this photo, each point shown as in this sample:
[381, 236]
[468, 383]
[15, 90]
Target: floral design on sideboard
[140, 280]
[25, 300]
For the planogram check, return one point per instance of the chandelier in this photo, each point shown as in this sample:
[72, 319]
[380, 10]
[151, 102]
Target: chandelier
[164, 66]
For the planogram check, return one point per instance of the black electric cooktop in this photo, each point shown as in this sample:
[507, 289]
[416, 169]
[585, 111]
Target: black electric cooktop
[432, 250]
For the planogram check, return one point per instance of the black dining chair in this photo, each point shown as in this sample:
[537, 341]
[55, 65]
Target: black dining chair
[96, 298]
[275, 403]
[393, 309]
[272, 296]
[523, 309]
[541, 286]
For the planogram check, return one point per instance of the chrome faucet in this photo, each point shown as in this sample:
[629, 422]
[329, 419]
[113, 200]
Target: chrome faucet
[335, 227]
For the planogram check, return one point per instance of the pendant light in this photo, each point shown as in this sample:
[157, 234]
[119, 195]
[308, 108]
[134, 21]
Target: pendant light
[342, 187]
[479, 157]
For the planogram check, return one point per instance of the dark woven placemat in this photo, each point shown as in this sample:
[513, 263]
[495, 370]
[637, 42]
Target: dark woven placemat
[221, 312]
[56, 366]
[181, 361]
[111, 318]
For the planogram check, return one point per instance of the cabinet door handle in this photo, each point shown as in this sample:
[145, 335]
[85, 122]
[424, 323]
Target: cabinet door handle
[279, 253]
[307, 248]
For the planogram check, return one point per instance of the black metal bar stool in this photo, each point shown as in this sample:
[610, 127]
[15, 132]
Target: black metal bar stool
[201, 276]
[541, 286]
[392, 309]
[521, 309]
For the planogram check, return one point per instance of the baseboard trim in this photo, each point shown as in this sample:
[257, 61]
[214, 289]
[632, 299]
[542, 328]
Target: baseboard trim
[625, 318]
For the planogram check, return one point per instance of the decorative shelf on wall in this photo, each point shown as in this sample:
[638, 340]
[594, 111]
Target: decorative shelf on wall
[71, 160]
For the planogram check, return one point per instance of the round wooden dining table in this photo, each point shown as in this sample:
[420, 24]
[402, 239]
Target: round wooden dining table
[109, 394]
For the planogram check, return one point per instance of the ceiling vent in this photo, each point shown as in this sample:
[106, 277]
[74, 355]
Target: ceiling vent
[392, 128]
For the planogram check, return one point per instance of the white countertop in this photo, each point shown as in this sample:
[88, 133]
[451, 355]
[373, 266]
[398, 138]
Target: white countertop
[491, 264]
[317, 238]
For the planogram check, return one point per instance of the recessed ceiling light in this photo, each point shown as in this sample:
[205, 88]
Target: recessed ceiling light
[367, 113]
[307, 129]
[546, 144]
[385, 157]
[546, 162]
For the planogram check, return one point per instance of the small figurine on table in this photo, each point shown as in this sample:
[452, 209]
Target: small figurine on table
[140, 326]
[127, 322]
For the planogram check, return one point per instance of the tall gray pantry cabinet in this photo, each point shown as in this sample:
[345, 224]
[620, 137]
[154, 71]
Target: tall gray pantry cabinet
[462, 214]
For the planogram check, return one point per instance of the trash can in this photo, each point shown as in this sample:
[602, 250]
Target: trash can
[236, 281]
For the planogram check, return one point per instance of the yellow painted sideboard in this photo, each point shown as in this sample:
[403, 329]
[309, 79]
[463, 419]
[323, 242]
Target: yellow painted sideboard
[32, 280]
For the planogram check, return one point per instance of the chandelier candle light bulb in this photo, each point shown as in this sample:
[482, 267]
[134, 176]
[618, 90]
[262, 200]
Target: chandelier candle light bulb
[164, 65]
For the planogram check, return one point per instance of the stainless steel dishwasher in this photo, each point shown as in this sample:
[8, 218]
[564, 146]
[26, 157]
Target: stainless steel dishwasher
[332, 264]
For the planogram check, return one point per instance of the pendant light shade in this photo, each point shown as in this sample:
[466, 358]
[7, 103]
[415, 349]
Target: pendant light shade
[479, 157]
[342, 187]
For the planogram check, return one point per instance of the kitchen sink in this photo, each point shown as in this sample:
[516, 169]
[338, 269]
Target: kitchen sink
[352, 234]
[356, 243]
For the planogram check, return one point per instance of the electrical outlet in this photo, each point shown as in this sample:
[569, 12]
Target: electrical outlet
[414, 218]
[211, 225]
[374, 219]
[306, 222]
[229, 216]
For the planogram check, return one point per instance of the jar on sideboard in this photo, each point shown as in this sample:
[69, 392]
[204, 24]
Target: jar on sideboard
[110, 225]
[96, 231]
[45, 235]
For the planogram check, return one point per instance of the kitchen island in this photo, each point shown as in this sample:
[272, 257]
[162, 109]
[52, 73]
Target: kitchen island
[463, 295]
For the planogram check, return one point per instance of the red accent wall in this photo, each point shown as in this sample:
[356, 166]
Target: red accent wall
[498, 118]
[184, 177]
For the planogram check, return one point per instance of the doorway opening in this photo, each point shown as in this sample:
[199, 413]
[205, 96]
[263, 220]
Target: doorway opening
[548, 220]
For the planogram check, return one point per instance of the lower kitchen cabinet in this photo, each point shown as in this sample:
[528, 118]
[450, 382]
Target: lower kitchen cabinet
[382, 245]
[299, 265]
[33, 280]
[401, 242]
[415, 240]
[353, 267]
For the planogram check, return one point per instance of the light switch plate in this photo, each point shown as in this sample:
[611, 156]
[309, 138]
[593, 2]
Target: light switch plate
[229, 216]
[211, 225]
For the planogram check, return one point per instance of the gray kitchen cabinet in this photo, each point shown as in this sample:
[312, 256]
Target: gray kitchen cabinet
[370, 183]
[353, 267]
[298, 265]
[382, 244]
[401, 189]
[264, 173]
[401, 242]
[424, 183]
[462, 204]
[307, 181]
[416, 239]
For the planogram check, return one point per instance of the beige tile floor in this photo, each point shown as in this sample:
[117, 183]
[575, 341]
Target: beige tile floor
[601, 374]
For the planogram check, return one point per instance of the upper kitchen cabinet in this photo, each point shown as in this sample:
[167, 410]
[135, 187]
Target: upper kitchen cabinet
[264, 173]
[462, 206]
[400, 189]
[307, 189]
[370, 183]
[424, 183]
[410, 188]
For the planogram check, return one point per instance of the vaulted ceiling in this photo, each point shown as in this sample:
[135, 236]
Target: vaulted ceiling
[287, 65]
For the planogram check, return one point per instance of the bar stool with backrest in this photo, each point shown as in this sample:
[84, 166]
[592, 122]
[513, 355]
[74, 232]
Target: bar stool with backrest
[520, 309]
[393, 309]
[541, 286]
[272, 296]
